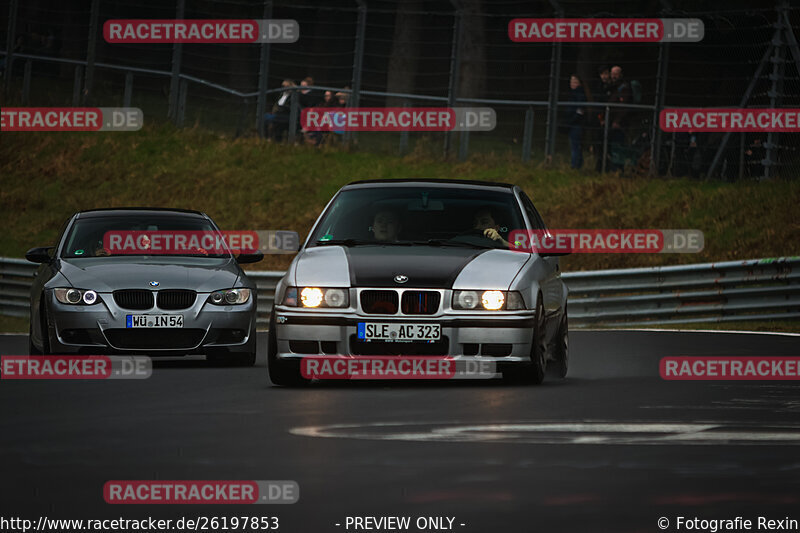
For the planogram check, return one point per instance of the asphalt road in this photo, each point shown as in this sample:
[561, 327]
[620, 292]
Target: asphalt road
[485, 453]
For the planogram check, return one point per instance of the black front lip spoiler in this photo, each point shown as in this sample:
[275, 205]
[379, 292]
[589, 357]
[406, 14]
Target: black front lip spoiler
[522, 323]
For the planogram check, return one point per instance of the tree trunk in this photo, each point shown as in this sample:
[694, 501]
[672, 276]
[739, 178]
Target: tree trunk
[404, 59]
[473, 52]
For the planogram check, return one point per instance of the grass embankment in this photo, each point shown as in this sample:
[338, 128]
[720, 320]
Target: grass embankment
[249, 184]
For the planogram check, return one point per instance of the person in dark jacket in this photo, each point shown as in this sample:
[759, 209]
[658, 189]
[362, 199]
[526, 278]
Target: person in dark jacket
[620, 93]
[576, 118]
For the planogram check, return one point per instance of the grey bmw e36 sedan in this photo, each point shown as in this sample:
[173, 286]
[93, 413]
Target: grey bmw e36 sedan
[87, 299]
[422, 268]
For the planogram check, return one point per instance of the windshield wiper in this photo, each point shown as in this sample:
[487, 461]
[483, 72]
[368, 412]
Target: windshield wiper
[440, 242]
[343, 242]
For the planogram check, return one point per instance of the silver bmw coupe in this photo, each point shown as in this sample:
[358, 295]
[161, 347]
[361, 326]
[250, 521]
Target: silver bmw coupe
[89, 299]
[422, 268]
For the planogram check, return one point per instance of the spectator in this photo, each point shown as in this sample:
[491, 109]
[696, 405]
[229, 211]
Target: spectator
[620, 93]
[342, 97]
[575, 120]
[309, 97]
[277, 122]
[600, 93]
[328, 99]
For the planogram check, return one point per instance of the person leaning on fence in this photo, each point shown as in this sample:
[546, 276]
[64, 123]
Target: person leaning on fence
[576, 118]
[620, 93]
[277, 122]
[601, 89]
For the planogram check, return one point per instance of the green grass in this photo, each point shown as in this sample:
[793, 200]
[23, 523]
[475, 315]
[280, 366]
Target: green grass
[13, 324]
[246, 183]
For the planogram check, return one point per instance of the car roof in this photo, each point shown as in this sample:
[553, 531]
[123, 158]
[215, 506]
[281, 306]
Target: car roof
[112, 211]
[470, 184]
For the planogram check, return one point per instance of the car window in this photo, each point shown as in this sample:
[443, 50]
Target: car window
[86, 236]
[533, 214]
[402, 215]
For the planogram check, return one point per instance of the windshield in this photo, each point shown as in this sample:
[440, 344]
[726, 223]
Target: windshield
[88, 237]
[429, 215]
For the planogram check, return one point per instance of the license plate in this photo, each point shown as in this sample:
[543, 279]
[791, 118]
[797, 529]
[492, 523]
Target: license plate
[154, 321]
[375, 331]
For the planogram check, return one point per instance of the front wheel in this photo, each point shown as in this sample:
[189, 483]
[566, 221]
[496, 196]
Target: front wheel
[533, 372]
[560, 364]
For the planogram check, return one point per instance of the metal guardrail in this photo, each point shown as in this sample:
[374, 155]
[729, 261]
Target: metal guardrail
[752, 290]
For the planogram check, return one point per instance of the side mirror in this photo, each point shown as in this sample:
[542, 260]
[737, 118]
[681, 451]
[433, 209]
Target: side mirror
[252, 257]
[39, 255]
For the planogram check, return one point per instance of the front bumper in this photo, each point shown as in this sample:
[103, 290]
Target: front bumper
[483, 336]
[101, 329]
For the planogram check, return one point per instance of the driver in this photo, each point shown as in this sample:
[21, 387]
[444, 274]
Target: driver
[386, 226]
[483, 221]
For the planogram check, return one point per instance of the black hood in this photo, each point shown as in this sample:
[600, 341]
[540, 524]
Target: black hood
[425, 266]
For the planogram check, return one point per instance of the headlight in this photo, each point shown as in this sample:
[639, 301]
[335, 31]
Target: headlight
[491, 300]
[314, 297]
[76, 296]
[311, 297]
[229, 297]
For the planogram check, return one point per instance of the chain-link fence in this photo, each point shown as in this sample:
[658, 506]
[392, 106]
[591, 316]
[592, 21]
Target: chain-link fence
[432, 52]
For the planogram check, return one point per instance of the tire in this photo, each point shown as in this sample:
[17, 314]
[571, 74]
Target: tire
[560, 364]
[32, 349]
[281, 373]
[532, 373]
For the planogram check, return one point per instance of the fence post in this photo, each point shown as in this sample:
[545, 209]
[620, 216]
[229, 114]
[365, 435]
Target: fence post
[455, 66]
[661, 85]
[91, 53]
[174, 84]
[294, 109]
[184, 88]
[263, 77]
[127, 95]
[10, 38]
[555, 78]
[241, 126]
[743, 102]
[463, 145]
[775, 97]
[404, 135]
[527, 135]
[26, 83]
[605, 139]
[76, 86]
[358, 64]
